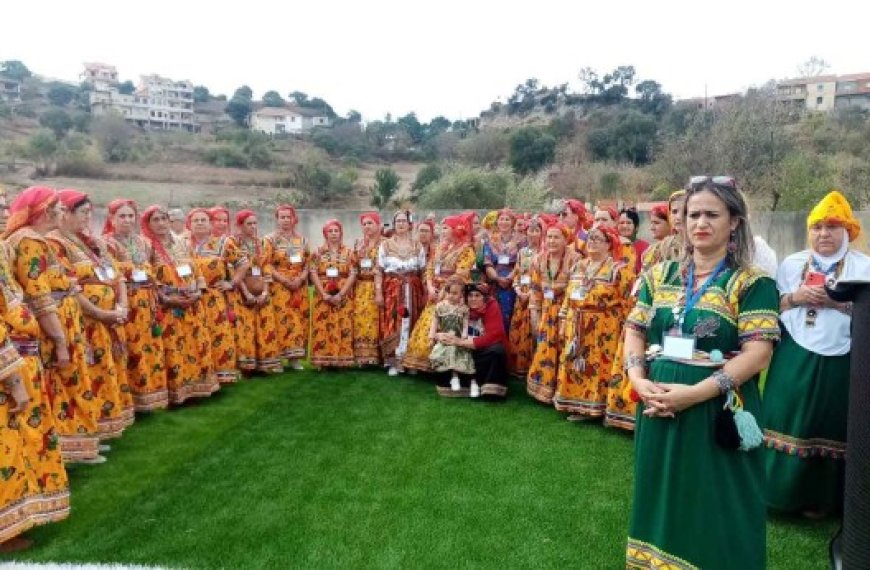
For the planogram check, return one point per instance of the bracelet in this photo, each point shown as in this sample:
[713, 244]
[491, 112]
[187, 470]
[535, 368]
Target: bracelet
[634, 361]
[723, 380]
[790, 299]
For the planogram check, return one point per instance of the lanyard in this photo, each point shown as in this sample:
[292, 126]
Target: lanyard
[693, 298]
[816, 265]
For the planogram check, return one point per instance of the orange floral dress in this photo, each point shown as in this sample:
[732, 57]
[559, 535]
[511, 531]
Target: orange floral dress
[593, 311]
[366, 314]
[47, 289]
[48, 494]
[186, 340]
[521, 341]
[332, 326]
[214, 258]
[106, 358]
[290, 257]
[146, 371]
[548, 292]
[457, 259]
[23, 504]
[256, 332]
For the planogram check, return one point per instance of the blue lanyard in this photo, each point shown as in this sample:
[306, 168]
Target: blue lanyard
[693, 298]
[828, 271]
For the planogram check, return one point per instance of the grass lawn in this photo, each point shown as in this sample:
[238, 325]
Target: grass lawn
[355, 469]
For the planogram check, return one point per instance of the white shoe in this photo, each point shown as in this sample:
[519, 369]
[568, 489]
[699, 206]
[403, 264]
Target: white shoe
[96, 460]
[296, 365]
[454, 384]
[392, 371]
[103, 448]
[474, 392]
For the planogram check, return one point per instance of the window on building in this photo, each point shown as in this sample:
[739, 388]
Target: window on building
[292, 119]
[820, 87]
[819, 100]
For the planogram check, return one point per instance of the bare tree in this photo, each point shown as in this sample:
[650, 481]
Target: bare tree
[813, 67]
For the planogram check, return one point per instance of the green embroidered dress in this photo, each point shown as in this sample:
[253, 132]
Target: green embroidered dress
[696, 504]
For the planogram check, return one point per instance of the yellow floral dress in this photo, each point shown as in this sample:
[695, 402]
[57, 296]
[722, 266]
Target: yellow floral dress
[457, 259]
[185, 338]
[593, 313]
[107, 365]
[146, 370]
[366, 314]
[548, 292]
[49, 493]
[215, 258]
[23, 504]
[256, 332]
[521, 341]
[47, 289]
[332, 326]
[290, 257]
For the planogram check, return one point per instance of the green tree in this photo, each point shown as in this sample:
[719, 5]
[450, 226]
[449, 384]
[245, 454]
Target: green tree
[468, 188]
[299, 98]
[126, 88]
[57, 120]
[531, 149]
[14, 69]
[42, 149]
[239, 107]
[386, 184]
[413, 127]
[528, 194]
[652, 99]
[200, 94]
[626, 136]
[60, 94]
[354, 116]
[114, 137]
[273, 99]
[425, 176]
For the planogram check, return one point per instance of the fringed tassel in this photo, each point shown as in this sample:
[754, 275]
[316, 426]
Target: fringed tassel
[735, 427]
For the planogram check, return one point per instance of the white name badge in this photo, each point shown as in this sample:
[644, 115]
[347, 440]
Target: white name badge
[504, 260]
[365, 263]
[332, 272]
[577, 295]
[110, 273]
[184, 270]
[526, 280]
[635, 288]
[438, 269]
[255, 271]
[295, 259]
[549, 294]
[682, 347]
[139, 276]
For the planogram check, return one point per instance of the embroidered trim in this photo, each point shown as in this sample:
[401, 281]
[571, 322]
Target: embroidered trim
[642, 555]
[805, 448]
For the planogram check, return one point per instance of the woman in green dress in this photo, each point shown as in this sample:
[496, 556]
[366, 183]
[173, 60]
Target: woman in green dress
[806, 399]
[710, 322]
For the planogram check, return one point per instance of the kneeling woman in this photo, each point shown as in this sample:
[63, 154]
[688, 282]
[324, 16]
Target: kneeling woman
[486, 339]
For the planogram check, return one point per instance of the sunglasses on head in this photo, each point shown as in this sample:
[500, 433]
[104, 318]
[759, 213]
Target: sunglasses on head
[726, 181]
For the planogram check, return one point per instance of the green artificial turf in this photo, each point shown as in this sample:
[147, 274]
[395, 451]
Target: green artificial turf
[359, 470]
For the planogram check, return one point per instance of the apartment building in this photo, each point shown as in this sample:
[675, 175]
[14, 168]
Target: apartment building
[10, 89]
[100, 76]
[826, 92]
[157, 103]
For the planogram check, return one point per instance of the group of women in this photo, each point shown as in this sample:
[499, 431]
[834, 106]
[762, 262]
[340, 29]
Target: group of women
[665, 338]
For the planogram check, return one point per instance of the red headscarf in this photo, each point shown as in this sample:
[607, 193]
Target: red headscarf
[614, 215]
[28, 206]
[373, 216]
[613, 238]
[566, 232]
[661, 211]
[212, 214]
[585, 220]
[333, 223]
[460, 225]
[71, 198]
[243, 215]
[145, 228]
[112, 209]
[287, 208]
[189, 218]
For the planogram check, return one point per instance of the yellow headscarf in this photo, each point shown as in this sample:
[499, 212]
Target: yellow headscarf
[835, 208]
[489, 220]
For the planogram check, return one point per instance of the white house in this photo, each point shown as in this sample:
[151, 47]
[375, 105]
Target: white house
[287, 120]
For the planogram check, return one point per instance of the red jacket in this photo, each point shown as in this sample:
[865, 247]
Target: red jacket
[491, 322]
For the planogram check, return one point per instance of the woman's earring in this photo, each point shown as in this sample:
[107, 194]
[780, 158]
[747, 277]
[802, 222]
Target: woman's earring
[732, 243]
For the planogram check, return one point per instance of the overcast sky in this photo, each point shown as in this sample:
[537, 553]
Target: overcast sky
[445, 57]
